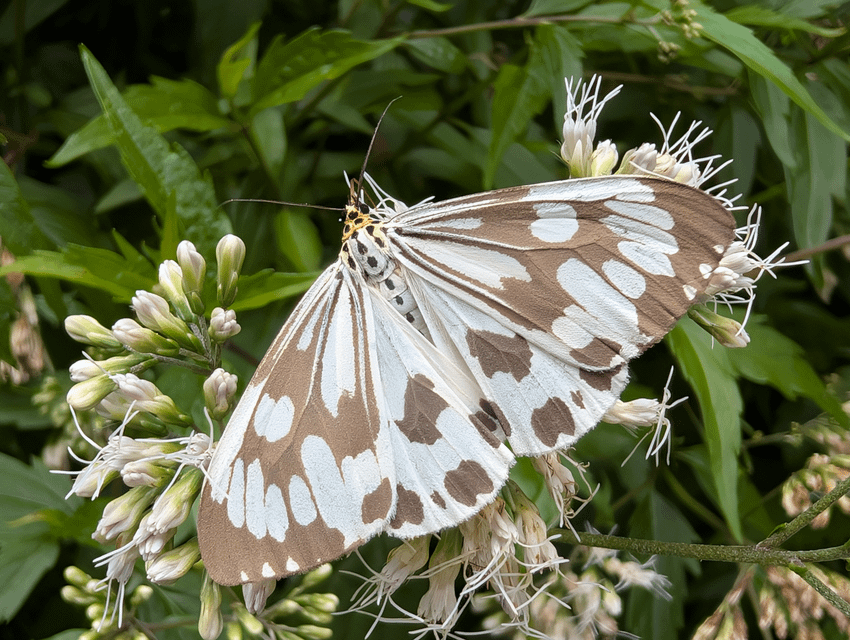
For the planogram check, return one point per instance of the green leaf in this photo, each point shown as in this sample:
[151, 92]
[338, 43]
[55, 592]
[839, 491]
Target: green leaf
[22, 564]
[775, 109]
[237, 62]
[97, 268]
[819, 165]
[520, 93]
[268, 134]
[430, 5]
[774, 359]
[759, 58]
[709, 372]
[298, 239]
[554, 7]
[289, 70]
[164, 104]
[26, 489]
[267, 286]
[158, 170]
[18, 227]
[438, 53]
[763, 17]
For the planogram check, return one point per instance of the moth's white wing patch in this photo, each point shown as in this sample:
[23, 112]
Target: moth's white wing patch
[449, 460]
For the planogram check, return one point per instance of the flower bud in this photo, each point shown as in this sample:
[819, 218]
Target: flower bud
[256, 594]
[123, 513]
[639, 161]
[141, 594]
[728, 332]
[219, 390]
[149, 398]
[173, 506]
[154, 313]
[86, 394]
[76, 576]
[144, 473]
[210, 622]
[312, 632]
[174, 564]
[87, 330]
[84, 369]
[603, 159]
[223, 325]
[171, 281]
[194, 270]
[138, 338]
[229, 253]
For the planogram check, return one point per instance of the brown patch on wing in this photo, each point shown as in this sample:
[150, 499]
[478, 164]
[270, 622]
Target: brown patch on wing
[496, 352]
[409, 508]
[487, 423]
[598, 351]
[600, 380]
[422, 407]
[551, 420]
[467, 482]
[577, 399]
[437, 499]
[376, 505]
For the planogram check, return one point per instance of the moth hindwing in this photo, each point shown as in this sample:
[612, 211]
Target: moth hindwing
[442, 334]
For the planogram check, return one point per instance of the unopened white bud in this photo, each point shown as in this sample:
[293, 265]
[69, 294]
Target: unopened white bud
[219, 390]
[229, 253]
[223, 325]
[87, 330]
[171, 281]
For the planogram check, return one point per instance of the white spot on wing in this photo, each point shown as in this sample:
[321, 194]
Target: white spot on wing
[243, 576]
[338, 369]
[255, 494]
[300, 501]
[336, 489]
[647, 258]
[655, 216]
[690, 292]
[631, 283]
[486, 266]
[291, 565]
[236, 495]
[554, 229]
[599, 308]
[268, 572]
[277, 522]
[273, 420]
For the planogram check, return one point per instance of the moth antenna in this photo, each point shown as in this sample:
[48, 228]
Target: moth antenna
[355, 186]
[280, 202]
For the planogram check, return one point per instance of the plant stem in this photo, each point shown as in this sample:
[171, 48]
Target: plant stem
[519, 21]
[720, 553]
[815, 583]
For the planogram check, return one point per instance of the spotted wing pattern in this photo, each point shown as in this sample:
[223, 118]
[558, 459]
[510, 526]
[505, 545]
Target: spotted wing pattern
[352, 424]
[383, 403]
[545, 292]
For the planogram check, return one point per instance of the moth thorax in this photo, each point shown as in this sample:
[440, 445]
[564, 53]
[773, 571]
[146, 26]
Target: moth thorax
[366, 251]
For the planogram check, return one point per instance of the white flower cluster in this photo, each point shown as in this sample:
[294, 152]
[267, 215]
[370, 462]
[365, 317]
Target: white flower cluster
[163, 476]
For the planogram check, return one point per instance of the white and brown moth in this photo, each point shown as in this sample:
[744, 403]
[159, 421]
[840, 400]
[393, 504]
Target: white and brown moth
[446, 339]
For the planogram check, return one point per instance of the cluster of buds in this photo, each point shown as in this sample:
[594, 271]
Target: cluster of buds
[583, 601]
[787, 606]
[162, 475]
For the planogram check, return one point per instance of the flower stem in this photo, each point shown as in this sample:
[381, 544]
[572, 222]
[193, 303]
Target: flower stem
[519, 21]
[754, 554]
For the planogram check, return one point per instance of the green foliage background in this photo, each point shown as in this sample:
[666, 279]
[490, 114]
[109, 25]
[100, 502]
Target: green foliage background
[215, 99]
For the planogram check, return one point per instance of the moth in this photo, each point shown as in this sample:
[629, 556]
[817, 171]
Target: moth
[447, 339]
